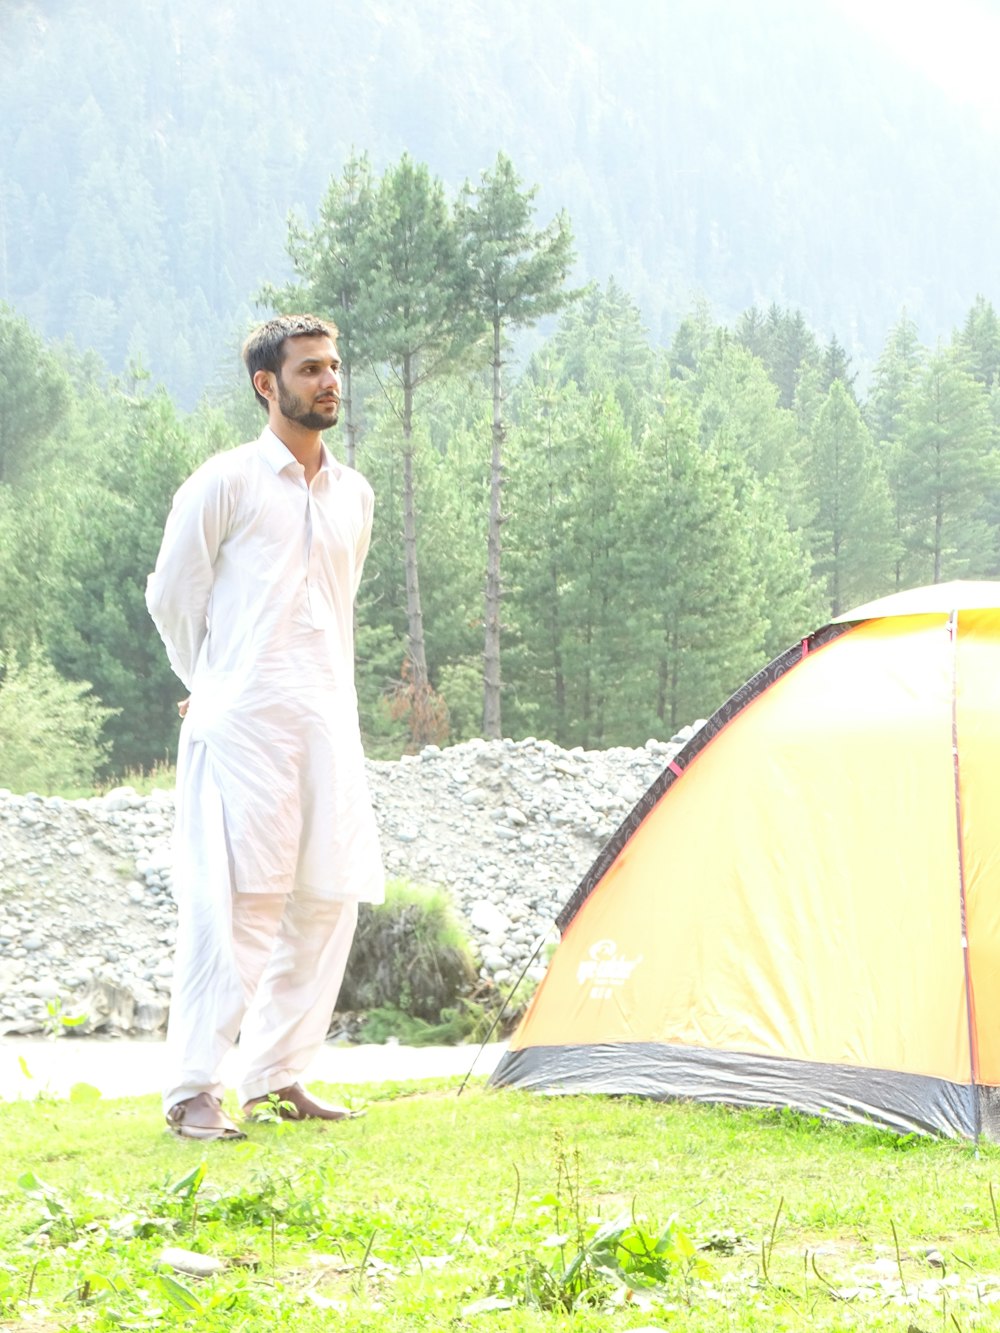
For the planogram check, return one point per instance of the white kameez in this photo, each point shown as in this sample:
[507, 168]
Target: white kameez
[253, 596]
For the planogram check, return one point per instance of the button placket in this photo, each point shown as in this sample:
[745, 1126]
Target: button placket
[310, 570]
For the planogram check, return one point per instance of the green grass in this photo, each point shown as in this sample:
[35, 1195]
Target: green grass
[162, 776]
[415, 1215]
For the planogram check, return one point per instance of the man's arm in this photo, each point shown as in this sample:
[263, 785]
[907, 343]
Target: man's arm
[364, 537]
[179, 590]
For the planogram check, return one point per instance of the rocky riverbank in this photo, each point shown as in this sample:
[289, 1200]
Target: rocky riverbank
[508, 828]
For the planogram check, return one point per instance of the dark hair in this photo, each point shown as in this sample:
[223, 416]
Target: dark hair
[264, 349]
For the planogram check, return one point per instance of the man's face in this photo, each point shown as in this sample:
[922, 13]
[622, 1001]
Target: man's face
[308, 383]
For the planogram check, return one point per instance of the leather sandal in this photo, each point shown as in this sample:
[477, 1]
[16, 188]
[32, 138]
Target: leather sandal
[202, 1117]
[294, 1103]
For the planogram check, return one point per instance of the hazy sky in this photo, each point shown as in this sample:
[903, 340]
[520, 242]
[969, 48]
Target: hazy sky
[953, 42]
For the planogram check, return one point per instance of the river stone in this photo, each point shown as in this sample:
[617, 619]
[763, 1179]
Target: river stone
[507, 828]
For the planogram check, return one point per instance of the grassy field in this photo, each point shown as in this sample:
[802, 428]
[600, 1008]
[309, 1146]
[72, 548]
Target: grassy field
[490, 1211]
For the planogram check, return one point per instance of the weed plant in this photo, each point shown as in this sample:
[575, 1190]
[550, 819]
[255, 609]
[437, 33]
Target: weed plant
[492, 1211]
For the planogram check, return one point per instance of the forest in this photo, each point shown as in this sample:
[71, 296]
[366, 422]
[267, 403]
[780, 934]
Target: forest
[596, 545]
[746, 154]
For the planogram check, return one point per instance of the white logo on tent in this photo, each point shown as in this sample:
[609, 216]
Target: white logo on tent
[606, 970]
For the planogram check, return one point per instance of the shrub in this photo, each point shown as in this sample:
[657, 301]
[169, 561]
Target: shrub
[50, 728]
[409, 954]
[467, 1021]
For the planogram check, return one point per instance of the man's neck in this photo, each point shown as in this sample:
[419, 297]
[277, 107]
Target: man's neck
[305, 446]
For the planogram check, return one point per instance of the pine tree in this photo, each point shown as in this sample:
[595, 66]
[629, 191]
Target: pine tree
[414, 305]
[835, 365]
[943, 469]
[127, 455]
[740, 419]
[757, 445]
[790, 601]
[548, 445]
[517, 276]
[601, 343]
[34, 398]
[691, 566]
[694, 336]
[895, 372]
[785, 344]
[851, 534]
[328, 260]
[978, 343]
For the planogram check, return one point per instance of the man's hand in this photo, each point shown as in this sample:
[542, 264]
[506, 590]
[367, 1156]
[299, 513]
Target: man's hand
[182, 707]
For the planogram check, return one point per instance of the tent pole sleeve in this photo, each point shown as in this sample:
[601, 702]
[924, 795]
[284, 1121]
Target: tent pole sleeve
[970, 1003]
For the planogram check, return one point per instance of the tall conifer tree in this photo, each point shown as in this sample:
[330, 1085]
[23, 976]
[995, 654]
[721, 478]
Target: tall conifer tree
[326, 258]
[851, 534]
[34, 397]
[978, 343]
[945, 467]
[895, 371]
[414, 304]
[517, 275]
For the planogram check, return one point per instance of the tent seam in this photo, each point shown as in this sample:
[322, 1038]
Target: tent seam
[970, 1003]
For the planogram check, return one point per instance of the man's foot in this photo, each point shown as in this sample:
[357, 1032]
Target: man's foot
[202, 1117]
[294, 1103]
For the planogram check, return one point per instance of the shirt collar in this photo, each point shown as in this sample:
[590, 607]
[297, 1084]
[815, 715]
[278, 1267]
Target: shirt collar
[278, 456]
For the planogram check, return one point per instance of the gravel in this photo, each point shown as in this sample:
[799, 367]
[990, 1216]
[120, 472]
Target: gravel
[508, 828]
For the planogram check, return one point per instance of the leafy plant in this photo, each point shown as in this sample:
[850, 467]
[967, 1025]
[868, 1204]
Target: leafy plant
[271, 1111]
[59, 1218]
[56, 1020]
[593, 1258]
[8, 1288]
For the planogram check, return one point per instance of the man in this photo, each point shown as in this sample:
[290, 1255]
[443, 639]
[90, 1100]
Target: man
[275, 842]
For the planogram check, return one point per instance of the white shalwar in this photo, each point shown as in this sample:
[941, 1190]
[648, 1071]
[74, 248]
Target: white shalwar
[275, 842]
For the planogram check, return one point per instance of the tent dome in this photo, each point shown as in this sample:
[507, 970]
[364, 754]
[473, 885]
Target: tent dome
[804, 908]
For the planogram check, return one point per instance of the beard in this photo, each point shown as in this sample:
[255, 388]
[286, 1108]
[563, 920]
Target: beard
[294, 408]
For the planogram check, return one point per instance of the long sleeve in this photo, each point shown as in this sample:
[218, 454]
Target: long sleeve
[364, 538]
[179, 590]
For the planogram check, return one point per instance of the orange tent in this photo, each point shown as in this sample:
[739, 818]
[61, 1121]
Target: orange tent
[804, 908]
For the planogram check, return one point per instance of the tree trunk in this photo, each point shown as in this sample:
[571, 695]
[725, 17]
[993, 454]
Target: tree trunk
[555, 622]
[835, 600]
[350, 425]
[414, 610]
[491, 654]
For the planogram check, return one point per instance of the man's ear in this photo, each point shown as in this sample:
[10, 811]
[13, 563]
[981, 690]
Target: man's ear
[263, 382]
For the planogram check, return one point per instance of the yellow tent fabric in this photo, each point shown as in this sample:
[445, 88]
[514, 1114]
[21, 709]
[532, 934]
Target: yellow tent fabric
[805, 908]
[978, 729]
